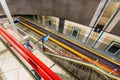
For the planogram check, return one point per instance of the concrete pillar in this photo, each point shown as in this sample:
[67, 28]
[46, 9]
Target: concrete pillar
[105, 27]
[114, 22]
[34, 18]
[61, 25]
[43, 20]
[7, 12]
[99, 12]
[57, 23]
[38, 18]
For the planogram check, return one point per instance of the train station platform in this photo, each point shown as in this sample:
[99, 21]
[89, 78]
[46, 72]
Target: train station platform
[11, 69]
[56, 58]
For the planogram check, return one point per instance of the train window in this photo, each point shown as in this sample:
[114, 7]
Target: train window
[114, 49]
[75, 32]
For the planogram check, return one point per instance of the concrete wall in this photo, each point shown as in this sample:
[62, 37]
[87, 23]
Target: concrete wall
[106, 40]
[83, 30]
[116, 29]
[80, 11]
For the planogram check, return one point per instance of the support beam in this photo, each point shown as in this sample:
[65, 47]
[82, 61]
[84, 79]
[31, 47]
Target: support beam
[43, 20]
[7, 12]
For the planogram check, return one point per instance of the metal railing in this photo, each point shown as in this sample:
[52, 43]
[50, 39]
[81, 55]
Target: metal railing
[39, 66]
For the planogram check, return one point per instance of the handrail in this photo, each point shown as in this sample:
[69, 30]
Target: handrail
[84, 63]
[41, 68]
[22, 54]
[51, 52]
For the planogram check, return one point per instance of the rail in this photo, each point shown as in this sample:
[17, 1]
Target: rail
[39, 66]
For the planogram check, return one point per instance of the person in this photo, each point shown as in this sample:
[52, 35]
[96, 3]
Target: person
[17, 21]
[45, 38]
[28, 45]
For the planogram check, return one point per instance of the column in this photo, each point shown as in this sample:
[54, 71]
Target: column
[38, 19]
[61, 25]
[7, 12]
[43, 20]
[34, 18]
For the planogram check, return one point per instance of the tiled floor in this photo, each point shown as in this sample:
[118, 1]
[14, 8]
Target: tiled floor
[10, 69]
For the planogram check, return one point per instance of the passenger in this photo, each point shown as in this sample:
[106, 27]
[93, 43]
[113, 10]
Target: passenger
[28, 45]
[45, 38]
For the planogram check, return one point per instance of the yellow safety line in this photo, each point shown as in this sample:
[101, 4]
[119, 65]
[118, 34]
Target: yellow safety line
[61, 44]
[97, 53]
[86, 64]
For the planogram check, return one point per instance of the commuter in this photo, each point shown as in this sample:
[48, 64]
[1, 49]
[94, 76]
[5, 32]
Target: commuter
[45, 38]
[28, 45]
